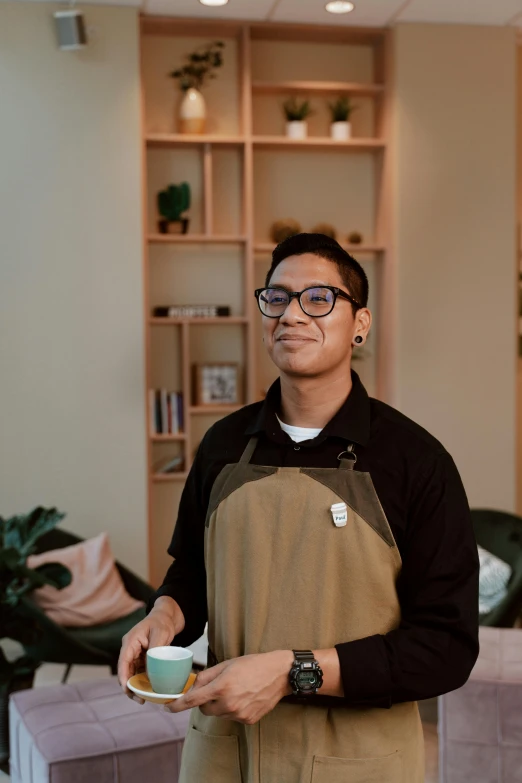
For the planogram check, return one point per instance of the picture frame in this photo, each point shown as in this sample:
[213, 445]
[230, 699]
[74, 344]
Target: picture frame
[216, 383]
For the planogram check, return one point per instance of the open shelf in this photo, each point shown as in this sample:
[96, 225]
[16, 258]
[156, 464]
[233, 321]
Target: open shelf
[221, 320]
[205, 410]
[325, 88]
[188, 239]
[319, 142]
[181, 139]
[245, 175]
[162, 478]
[157, 438]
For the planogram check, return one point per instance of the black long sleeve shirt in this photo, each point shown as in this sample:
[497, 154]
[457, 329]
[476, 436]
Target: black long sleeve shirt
[436, 644]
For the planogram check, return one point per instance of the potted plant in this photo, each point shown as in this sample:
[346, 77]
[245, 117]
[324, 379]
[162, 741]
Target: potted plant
[200, 66]
[341, 110]
[296, 114]
[172, 202]
[18, 536]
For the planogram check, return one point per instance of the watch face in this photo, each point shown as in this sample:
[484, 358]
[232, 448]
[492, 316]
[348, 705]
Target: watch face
[307, 680]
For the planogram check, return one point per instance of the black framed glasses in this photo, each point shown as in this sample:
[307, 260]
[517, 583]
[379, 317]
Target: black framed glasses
[316, 301]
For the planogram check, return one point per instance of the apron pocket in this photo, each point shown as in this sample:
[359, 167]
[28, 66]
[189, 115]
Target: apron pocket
[385, 769]
[211, 758]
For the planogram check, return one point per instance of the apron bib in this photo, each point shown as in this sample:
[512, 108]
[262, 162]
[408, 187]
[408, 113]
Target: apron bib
[281, 574]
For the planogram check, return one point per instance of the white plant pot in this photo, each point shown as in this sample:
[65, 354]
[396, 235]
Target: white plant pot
[192, 112]
[297, 129]
[341, 131]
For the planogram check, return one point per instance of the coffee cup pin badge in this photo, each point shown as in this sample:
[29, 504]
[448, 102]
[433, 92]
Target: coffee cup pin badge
[339, 514]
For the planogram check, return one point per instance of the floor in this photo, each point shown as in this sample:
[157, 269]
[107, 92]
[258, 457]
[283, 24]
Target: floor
[51, 674]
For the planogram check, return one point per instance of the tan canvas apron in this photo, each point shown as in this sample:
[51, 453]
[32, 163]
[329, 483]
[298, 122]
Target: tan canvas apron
[282, 576]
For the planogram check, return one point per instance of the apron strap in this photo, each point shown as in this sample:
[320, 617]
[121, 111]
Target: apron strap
[347, 462]
[248, 452]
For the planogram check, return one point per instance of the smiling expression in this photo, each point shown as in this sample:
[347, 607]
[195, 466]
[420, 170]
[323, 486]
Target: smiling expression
[299, 344]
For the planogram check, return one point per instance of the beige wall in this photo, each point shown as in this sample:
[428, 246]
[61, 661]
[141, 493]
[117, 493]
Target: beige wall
[455, 213]
[72, 430]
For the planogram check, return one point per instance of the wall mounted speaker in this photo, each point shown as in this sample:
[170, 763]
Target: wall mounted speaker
[70, 29]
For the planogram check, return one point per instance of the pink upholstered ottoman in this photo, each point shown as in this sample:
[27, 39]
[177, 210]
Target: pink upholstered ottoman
[92, 733]
[480, 724]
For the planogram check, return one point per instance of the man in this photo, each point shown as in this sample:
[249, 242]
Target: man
[327, 539]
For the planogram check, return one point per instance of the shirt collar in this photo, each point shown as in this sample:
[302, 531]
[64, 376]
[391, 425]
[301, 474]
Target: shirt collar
[351, 422]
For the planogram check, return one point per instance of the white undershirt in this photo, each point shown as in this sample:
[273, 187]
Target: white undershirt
[299, 433]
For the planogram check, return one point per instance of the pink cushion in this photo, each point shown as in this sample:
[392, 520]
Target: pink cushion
[96, 594]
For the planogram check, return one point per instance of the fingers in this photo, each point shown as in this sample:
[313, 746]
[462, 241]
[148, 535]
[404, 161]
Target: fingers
[135, 697]
[130, 655]
[194, 698]
[208, 675]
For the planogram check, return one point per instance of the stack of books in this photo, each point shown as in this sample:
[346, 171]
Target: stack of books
[165, 412]
[191, 311]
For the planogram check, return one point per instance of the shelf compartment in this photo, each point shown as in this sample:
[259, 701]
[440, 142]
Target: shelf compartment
[161, 478]
[221, 320]
[319, 142]
[267, 247]
[184, 139]
[212, 410]
[188, 239]
[168, 438]
[325, 88]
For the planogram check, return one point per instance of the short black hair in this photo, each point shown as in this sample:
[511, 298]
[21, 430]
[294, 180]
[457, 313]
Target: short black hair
[351, 272]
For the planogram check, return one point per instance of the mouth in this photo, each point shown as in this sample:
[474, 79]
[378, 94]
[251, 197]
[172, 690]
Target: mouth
[294, 338]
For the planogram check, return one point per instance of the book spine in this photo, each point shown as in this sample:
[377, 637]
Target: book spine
[157, 406]
[164, 412]
[181, 418]
[174, 423]
[169, 415]
[152, 412]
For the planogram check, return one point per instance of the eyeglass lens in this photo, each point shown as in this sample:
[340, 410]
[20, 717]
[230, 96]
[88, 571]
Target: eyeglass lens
[314, 301]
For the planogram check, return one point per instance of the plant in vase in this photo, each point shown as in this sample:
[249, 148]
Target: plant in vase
[296, 113]
[341, 110]
[200, 66]
[172, 202]
[18, 536]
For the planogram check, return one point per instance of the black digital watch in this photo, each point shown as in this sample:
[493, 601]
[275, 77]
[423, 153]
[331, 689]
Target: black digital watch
[306, 676]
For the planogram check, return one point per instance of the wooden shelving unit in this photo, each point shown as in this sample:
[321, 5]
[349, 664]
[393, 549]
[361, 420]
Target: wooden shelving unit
[235, 171]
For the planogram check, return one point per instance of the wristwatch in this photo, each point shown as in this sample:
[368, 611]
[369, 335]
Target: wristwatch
[305, 676]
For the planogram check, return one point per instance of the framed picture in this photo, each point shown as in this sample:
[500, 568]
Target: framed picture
[216, 383]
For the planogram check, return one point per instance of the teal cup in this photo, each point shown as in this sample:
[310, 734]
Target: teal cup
[168, 668]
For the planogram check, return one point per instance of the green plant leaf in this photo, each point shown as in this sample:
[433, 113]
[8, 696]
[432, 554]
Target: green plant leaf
[55, 574]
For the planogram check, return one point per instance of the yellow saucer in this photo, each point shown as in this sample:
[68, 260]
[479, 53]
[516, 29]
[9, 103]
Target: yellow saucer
[140, 685]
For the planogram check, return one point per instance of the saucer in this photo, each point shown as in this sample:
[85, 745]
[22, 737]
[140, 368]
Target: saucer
[140, 685]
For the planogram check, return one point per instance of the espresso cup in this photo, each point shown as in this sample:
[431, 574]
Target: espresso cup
[168, 668]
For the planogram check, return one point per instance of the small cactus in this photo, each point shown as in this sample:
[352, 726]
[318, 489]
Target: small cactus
[173, 201]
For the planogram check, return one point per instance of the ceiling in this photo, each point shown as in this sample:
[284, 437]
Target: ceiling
[373, 13]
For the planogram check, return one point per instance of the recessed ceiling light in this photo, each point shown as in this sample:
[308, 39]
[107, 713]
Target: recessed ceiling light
[339, 7]
[213, 2]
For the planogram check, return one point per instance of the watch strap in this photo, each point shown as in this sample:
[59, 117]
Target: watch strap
[303, 655]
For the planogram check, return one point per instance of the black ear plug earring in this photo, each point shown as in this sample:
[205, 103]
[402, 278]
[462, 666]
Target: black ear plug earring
[358, 339]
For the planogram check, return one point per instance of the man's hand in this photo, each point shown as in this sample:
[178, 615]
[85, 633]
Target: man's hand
[161, 625]
[241, 689]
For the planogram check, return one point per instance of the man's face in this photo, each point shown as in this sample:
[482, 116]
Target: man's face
[297, 343]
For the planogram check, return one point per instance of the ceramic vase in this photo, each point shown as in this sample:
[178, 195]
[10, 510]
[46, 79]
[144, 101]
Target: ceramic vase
[192, 112]
[341, 131]
[297, 129]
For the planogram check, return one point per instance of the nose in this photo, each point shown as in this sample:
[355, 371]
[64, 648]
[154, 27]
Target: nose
[293, 313]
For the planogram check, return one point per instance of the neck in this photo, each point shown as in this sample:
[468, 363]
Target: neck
[311, 402]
